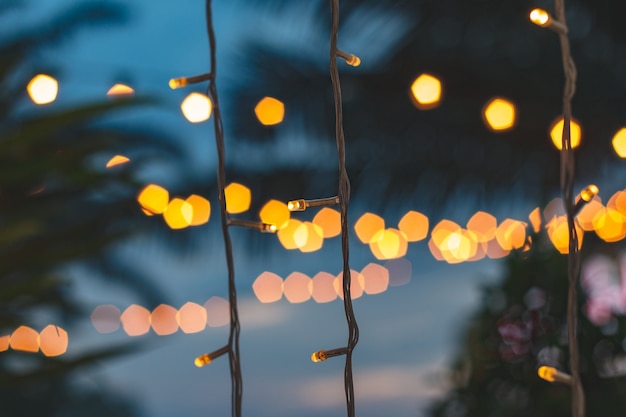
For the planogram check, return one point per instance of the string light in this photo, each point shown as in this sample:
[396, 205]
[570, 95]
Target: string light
[322, 355]
[185, 81]
[551, 374]
[302, 204]
[586, 195]
[207, 358]
[260, 226]
[542, 18]
[351, 59]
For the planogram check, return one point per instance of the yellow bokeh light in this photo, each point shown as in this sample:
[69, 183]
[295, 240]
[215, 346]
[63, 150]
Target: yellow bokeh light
[117, 160]
[458, 246]
[163, 320]
[53, 340]
[297, 288]
[135, 320]
[238, 198]
[196, 107]
[275, 212]
[442, 229]
[268, 287]
[309, 237]
[356, 284]
[178, 214]
[586, 215]
[499, 114]
[511, 234]
[120, 90]
[191, 318]
[619, 142]
[540, 17]
[375, 278]
[558, 232]
[483, 225]
[42, 89]
[388, 244]
[556, 133]
[286, 236]
[106, 318]
[426, 92]
[323, 289]
[201, 209]
[610, 225]
[330, 222]
[547, 373]
[25, 339]
[618, 202]
[414, 225]
[535, 219]
[154, 198]
[367, 226]
[270, 111]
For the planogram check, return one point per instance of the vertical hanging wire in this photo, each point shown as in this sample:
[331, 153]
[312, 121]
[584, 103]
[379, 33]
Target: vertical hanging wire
[344, 199]
[233, 338]
[567, 190]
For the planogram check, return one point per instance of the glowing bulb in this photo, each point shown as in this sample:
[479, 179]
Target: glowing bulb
[154, 198]
[322, 355]
[619, 143]
[556, 133]
[319, 356]
[589, 192]
[540, 17]
[270, 111]
[499, 115]
[426, 91]
[120, 90]
[297, 205]
[43, 89]
[551, 374]
[177, 83]
[205, 359]
[353, 61]
[196, 107]
[117, 160]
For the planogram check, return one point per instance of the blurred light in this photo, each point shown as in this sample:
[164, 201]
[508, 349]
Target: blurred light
[511, 234]
[297, 288]
[268, 287]
[238, 198]
[589, 192]
[275, 212]
[609, 225]
[400, 271]
[356, 284]
[163, 320]
[495, 251]
[556, 133]
[481, 251]
[540, 17]
[330, 222]
[483, 225]
[106, 318]
[619, 143]
[117, 160]
[286, 236]
[217, 312]
[442, 229]
[587, 213]
[25, 339]
[388, 244]
[309, 237]
[120, 90]
[499, 114]
[375, 278]
[53, 341]
[367, 226]
[558, 232]
[535, 219]
[553, 209]
[135, 320]
[178, 214]
[434, 250]
[154, 198]
[201, 209]
[414, 225]
[191, 318]
[4, 342]
[323, 289]
[270, 111]
[618, 202]
[426, 92]
[551, 374]
[458, 246]
[196, 107]
[42, 89]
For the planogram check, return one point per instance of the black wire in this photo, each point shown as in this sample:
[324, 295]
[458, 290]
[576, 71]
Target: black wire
[567, 190]
[344, 199]
[233, 339]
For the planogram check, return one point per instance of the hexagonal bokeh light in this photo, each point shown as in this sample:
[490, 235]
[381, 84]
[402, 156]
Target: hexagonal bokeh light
[426, 92]
[270, 111]
[556, 133]
[499, 114]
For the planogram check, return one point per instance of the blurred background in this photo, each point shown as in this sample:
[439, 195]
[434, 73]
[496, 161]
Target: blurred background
[113, 275]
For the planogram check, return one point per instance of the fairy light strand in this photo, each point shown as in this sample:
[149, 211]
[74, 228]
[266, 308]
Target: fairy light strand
[233, 338]
[344, 199]
[567, 190]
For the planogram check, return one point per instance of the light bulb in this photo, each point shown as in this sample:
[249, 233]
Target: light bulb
[319, 356]
[351, 59]
[322, 355]
[177, 83]
[589, 192]
[185, 81]
[551, 374]
[207, 358]
[302, 204]
[297, 205]
[540, 17]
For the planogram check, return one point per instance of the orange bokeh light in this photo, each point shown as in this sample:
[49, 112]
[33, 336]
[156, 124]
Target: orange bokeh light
[197, 107]
[356, 284]
[275, 212]
[135, 320]
[375, 278]
[309, 237]
[178, 214]
[483, 225]
[286, 234]
[558, 232]
[270, 111]
[511, 234]
[43, 89]
[191, 318]
[120, 90]
[297, 287]
[106, 318]
[535, 219]
[610, 225]
[495, 251]
[201, 209]
[587, 213]
[426, 92]
[388, 244]
[414, 225]
[4, 342]
[117, 160]
[24, 339]
[163, 320]
[154, 198]
[499, 114]
[367, 226]
[330, 222]
[268, 287]
[323, 289]
[556, 133]
[217, 312]
[53, 341]
[238, 198]
[619, 142]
